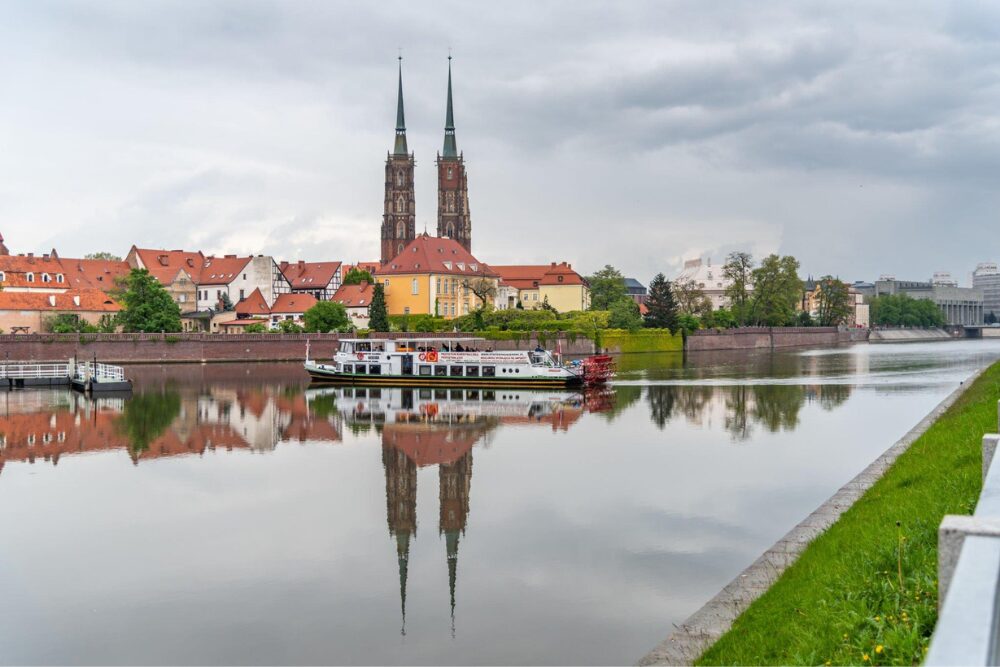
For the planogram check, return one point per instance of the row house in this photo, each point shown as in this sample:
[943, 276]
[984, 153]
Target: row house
[49, 273]
[29, 311]
[356, 299]
[320, 279]
[533, 285]
[435, 276]
[254, 309]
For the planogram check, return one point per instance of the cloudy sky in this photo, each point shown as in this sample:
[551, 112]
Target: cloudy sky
[861, 137]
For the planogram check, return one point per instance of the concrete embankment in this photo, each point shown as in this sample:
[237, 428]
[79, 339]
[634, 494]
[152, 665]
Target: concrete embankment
[771, 338]
[207, 348]
[908, 335]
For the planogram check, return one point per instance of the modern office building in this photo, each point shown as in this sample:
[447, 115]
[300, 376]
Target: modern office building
[960, 305]
[987, 278]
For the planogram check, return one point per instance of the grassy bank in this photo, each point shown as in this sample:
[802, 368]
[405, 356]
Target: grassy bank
[865, 591]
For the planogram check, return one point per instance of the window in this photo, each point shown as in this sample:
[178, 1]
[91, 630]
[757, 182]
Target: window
[30, 277]
[1, 277]
[450, 172]
[440, 371]
[406, 310]
[182, 298]
[441, 394]
[46, 278]
[400, 230]
[489, 371]
[59, 277]
[242, 295]
[423, 370]
[456, 371]
[359, 369]
[415, 286]
[348, 368]
[374, 369]
[472, 371]
[472, 395]
[399, 178]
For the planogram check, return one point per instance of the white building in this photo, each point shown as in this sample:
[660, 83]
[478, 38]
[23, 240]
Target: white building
[987, 277]
[709, 280]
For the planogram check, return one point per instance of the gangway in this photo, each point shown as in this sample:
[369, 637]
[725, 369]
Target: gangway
[88, 376]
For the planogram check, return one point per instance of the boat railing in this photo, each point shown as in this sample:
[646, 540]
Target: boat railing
[968, 627]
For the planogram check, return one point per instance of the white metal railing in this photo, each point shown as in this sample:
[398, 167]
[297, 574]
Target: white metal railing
[968, 627]
[98, 372]
[28, 370]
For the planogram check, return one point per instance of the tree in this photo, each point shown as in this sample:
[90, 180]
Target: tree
[900, 310]
[721, 318]
[68, 323]
[804, 319]
[690, 298]
[103, 255]
[777, 291]
[834, 307]
[256, 327]
[357, 276]
[607, 287]
[289, 326]
[326, 316]
[483, 287]
[225, 303]
[146, 306]
[145, 417]
[738, 272]
[990, 318]
[662, 309]
[625, 315]
[378, 315]
[687, 323]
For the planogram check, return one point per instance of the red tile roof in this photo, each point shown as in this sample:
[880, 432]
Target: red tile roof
[354, 296]
[222, 270]
[253, 305]
[430, 254]
[100, 274]
[305, 275]
[74, 300]
[530, 276]
[164, 265]
[293, 303]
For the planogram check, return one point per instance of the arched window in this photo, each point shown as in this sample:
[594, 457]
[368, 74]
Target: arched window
[30, 277]
[415, 286]
[450, 172]
[46, 278]
[1, 276]
[451, 202]
[399, 178]
[400, 230]
[399, 251]
[59, 277]
[400, 205]
[449, 230]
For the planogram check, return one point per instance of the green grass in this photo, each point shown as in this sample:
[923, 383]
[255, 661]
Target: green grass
[865, 591]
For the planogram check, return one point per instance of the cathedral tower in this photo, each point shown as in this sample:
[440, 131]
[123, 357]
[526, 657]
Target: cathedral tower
[453, 220]
[454, 484]
[398, 220]
[401, 510]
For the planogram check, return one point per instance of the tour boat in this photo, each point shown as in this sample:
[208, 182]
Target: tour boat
[453, 362]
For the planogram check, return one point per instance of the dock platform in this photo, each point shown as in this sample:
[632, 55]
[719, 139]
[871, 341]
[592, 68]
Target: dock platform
[85, 376]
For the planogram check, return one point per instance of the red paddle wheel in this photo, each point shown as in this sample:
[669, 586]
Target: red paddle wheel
[598, 369]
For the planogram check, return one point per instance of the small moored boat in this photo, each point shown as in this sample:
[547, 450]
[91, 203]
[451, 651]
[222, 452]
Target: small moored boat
[453, 362]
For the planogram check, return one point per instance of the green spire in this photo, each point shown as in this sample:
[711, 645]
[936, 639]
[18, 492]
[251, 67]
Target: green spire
[403, 556]
[450, 150]
[400, 147]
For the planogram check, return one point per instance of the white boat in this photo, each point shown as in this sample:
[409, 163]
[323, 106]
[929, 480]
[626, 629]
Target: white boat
[452, 362]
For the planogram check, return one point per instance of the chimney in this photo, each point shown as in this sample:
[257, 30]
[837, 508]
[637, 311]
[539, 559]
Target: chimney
[301, 263]
[553, 265]
[283, 265]
[230, 256]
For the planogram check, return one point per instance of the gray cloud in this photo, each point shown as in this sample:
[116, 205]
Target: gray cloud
[636, 134]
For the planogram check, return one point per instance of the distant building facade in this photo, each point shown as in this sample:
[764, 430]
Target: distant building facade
[709, 279]
[533, 285]
[987, 278]
[636, 290]
[961, 306]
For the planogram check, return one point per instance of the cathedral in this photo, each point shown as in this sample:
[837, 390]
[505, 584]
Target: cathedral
[399, 216]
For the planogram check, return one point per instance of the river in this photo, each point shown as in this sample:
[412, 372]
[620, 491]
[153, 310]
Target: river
[228, 514]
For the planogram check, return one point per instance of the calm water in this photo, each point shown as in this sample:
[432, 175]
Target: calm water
[229, 514]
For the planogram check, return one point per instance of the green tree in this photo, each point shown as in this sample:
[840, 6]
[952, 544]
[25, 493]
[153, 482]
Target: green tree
[548, 306]
[256, 327]
[108, 323]
[145, 417]
[146, 306]
[738, 273]
[225, 303]
[68, 323]
[326, 316]
[834, 307]
[687, 323]
[357, 276]
[624, 315]
[721, 318]
[690, 298]
[804, 319]
[777, 291]
[103, 255]
[289, 326]
[378, 315]
[662, 309]
[607, 287]
[900, 310]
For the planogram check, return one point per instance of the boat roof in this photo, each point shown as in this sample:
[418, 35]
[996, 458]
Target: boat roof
[408, 339]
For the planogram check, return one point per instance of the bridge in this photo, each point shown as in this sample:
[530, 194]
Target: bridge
[88, 376]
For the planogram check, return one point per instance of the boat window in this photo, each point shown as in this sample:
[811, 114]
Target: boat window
[348, 392]
[361, 393]
[425, 394]
[348, 368]
[346, 347]
[472, 395]
[472, 371]
[423, 370]
[364, 347]
[489, 371]
[376, 393]
[489, 396]
[375, 369]
[456, 394]
[456, 371]
[359, 369]
[440, 371]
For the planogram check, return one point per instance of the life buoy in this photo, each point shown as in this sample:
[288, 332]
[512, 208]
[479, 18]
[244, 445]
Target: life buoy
[432, 355]
[423, 357]
[361, 355]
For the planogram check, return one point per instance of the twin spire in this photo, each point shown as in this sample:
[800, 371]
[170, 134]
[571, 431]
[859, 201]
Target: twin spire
[450, 148]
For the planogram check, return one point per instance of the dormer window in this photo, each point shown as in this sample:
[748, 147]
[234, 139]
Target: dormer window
[30, 277]
[46, 278]
[2, 277]
[461, 266]
[447, 265]
[59, 277]
[473, 267]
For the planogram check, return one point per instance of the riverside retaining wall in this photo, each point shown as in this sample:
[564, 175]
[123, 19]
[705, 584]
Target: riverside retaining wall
[207, 348]
[770, 338]
[908, 335]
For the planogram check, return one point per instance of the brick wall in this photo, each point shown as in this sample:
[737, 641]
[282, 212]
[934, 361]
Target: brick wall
[766, 338]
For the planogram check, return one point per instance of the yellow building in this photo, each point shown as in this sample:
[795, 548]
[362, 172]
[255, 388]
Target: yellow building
[436, 276]
[531, 285]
